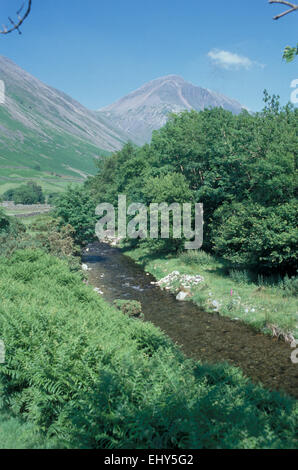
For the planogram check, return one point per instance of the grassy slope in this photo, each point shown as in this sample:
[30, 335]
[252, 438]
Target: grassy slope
[253, 303]
[47, 160]
[95, 378]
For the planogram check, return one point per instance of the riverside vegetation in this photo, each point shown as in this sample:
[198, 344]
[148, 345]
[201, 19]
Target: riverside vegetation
[81, 374]
[244, 170]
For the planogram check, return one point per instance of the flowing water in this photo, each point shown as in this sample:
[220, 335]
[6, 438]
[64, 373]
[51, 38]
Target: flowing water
[203, 336]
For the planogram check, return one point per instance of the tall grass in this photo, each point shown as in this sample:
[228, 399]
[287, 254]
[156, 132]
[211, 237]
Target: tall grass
[240, 276]
[196, 257]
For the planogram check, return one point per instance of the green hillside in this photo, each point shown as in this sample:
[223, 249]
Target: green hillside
[53, 161]
[47, 136]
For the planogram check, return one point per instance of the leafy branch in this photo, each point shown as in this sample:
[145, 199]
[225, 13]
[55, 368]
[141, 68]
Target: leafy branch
[15, 25]
[289, 52]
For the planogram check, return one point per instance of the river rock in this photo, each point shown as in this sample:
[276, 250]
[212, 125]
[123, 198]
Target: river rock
[85, 267]
[111, 238]
[97, 289]
[215, 305]
[177, 281]
[182, 295]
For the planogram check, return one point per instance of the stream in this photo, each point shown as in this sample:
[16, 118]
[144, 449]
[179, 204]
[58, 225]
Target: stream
[203, 336]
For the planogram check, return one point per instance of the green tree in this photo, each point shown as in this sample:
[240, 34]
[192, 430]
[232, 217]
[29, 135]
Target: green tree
[75, 207]
[215, 158]
[262, 238]
[29, 193]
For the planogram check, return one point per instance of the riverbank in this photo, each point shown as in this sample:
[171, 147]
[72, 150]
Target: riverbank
[98, 379]
[271, 309]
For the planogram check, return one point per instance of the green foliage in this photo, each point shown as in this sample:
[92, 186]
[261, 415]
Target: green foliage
[132, 308]
[29, 193]
[5, 223]
[15, 434]
[290, 53]
[76, 208]
[219, 159]
[45, 232]
[170, 188]
[9, 225]
[242, 277]
[196, 257]
[52, 198]
[289, 285]
[89, 376]
[258, 237]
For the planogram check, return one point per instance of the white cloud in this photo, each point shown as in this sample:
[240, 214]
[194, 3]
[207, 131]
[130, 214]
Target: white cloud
[229, 60]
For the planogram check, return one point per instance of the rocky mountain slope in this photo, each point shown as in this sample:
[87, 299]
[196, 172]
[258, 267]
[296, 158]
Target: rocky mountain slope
[43, 128]
[147, 109]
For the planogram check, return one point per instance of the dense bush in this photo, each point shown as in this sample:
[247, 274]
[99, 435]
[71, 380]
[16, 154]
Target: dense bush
[55, 239]
[52, 198]
[11, 230]
[9, 225]
[29, 193]
[259, 237]
[196, 257]
[46, 233]
[92, 377]
[289, 285]
[75, 207]
[132, 308]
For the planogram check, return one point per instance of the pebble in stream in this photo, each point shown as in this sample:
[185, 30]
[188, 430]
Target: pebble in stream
[201, 335]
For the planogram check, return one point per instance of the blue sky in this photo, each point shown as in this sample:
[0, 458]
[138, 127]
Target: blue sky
[97, 50]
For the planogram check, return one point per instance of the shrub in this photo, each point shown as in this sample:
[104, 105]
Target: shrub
[264, 239]
[30, 193]
[75, 207]
[52, 198]
[240, 276]
[196, 257]
[132, 308]
[54, 238]
[290, 285]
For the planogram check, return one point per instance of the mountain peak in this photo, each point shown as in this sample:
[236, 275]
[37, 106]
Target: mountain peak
[147, 108]
[165, 78]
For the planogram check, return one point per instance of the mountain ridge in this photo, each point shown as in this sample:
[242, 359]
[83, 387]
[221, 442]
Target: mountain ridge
[147, 108]
[46, 135]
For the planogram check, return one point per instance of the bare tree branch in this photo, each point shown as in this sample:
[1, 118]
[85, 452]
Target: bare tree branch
[293, 7]
[15, 25]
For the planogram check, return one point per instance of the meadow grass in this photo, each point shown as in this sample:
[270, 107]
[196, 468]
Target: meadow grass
[258, 301]
[56, 152]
